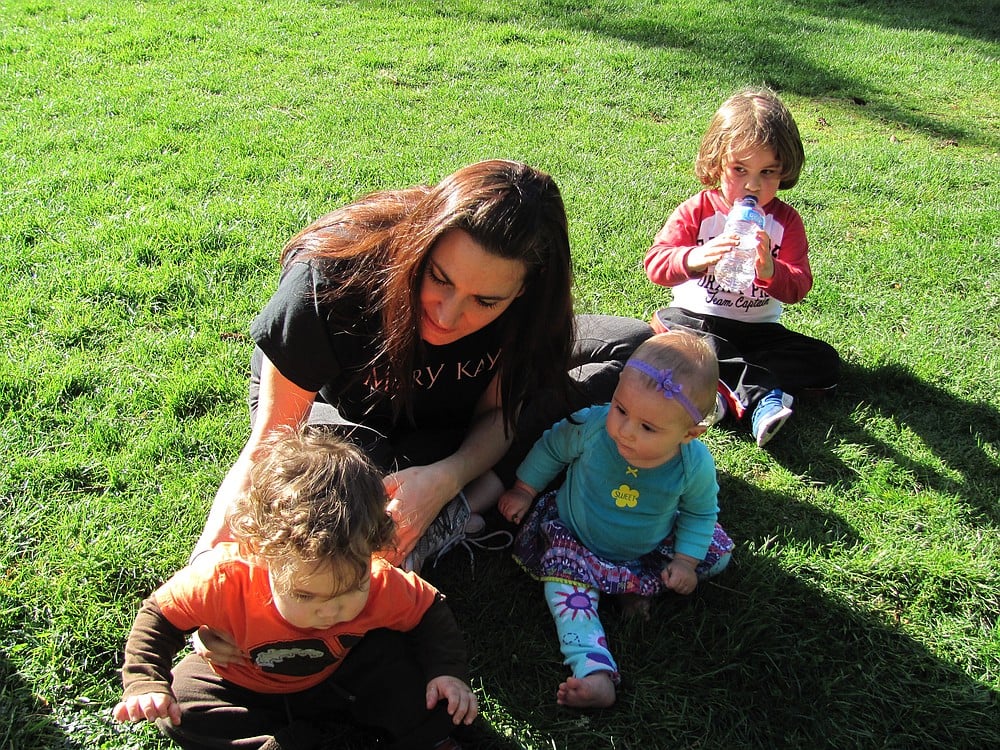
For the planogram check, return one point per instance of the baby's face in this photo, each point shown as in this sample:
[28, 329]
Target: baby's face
[316, 598]
[647, 427]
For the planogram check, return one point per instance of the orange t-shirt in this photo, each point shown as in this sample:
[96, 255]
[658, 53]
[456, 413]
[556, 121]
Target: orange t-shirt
[228, 593]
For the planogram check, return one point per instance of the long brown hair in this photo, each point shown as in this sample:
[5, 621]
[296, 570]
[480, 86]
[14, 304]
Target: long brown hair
[512, 210]
[751, 118]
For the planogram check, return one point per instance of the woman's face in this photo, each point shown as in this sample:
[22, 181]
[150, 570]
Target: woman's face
[465, 288]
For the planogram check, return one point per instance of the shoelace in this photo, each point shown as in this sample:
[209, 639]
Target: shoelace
[480, 542]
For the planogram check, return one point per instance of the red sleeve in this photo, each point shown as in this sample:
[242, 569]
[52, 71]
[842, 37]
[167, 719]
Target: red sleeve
[665, 260]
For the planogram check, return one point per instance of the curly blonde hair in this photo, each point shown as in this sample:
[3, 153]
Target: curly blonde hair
[751, 118]
[317, 499]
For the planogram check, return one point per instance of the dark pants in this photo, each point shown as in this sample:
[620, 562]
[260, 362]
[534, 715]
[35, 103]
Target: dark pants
[756, 358]
[379, 686]
[602, 344]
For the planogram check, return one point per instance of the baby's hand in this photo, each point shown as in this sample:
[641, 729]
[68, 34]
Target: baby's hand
[679, 576]
[216, 647]
[462, 704]
[514, 504]
[147, 707]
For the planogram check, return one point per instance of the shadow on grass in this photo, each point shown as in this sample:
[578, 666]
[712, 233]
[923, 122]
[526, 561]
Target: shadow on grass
[775, 54]
[25, 722]
[953, 430]
[764, 656]
[757, 658]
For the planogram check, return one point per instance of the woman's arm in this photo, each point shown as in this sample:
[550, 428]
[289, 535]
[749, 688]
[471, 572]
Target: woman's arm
[281, 404]
[420, 492]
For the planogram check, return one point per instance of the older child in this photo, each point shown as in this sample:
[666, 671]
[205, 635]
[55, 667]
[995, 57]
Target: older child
[329, 631]
[636, 514]
[752, 147]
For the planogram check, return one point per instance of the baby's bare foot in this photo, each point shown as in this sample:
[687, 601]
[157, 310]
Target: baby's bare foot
[596, 690]
[634, 605]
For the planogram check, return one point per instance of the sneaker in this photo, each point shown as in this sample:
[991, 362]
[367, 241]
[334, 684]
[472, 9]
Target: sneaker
[456, 526]
[445, 531]
[770, 415]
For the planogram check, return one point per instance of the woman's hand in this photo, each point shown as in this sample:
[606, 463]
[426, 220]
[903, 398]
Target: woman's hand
[417, 494]
[216, 647]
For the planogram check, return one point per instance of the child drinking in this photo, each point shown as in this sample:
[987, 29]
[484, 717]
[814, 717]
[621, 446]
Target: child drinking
[636, 514]
[752, 147]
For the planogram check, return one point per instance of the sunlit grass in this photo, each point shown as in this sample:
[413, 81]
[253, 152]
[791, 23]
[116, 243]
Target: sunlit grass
[155, 157]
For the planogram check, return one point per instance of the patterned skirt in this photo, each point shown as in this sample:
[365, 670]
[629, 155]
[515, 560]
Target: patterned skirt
[549, 551]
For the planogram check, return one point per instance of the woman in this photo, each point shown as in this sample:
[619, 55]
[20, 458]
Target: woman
[419, 321]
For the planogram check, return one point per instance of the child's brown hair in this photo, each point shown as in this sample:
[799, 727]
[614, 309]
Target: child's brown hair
[751, 118]
[314, 498]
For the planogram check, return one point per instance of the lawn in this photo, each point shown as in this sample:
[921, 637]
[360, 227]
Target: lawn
[156, 155]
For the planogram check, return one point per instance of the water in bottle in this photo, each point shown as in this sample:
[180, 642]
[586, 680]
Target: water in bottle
[735, 270]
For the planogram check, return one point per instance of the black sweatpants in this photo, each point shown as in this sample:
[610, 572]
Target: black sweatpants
[756, 358]
[378, 687]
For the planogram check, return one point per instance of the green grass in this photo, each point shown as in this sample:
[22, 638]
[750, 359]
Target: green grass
[154, 156]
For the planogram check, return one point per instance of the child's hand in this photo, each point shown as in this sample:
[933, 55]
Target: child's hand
[701, 257]
[516, 501]
[513, 505]
[147, 707]
[216, 647]
[679, 575]
[462, 704]
[764, 265]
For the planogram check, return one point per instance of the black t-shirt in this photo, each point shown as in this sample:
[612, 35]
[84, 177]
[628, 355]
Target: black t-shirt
[328, 348]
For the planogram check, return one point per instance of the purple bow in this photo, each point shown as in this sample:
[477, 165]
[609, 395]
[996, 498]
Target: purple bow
[664, 382]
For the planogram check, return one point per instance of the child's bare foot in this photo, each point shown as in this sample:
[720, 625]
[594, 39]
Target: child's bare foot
[634, 605]
[596, 690]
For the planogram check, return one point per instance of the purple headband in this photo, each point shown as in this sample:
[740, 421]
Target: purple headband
[665, 383]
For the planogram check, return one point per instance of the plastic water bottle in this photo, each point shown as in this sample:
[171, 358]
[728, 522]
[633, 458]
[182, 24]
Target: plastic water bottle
[735, 270]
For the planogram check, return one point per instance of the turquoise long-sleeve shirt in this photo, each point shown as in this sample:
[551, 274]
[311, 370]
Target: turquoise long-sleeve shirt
[618, 511]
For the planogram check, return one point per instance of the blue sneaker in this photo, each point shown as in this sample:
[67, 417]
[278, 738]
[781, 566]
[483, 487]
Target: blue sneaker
[770, 415]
